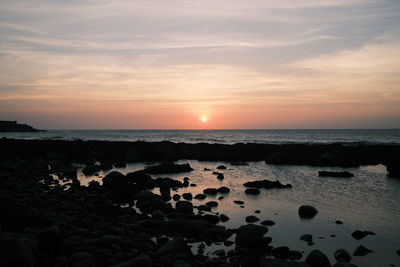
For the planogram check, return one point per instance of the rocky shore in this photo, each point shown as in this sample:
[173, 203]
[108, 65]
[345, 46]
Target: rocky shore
[51, 220]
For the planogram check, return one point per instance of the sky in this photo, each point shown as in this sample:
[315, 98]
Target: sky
[172, 64]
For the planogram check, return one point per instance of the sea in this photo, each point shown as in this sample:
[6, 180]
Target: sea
[369, 201]
[367, 136]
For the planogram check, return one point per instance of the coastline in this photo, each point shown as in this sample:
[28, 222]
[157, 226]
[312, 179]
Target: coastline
[59, 222]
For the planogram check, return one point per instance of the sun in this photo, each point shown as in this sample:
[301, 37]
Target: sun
[204, 119]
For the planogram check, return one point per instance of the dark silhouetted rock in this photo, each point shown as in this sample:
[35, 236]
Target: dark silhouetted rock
[210, 191]
[140, 261]
[252, 191]
[221, 167]
[212, 204]
[317, 259]
[176, 197]
[361, 234]
[267, 222]
[142, 180]
[393, 168]
[90, 169]
[239, 202]
[211, 218]
[204, 208]
[223, 218]
[250, 235]
[120, 164]
[307, 212]
[342, 255]
[338, 222]
[168, 167]
[267, 184]
[187, 196]
[223, 189]
[344, 174]
[184, 206]
[280, 252]
[220, 176]
[175, 246]
[252, 219]
[200, 196]
[306, 237]
[361, 251]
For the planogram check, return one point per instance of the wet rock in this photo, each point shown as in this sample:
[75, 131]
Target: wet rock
[223, 218]
[317, 259]
[252, 191]
[307, 212]
[306, 237]
[211, 218]
[176, 197]
[361, 234]
[338, 222]
[221, 197]
[239, 202]
[165, 191]
[252, 219]
[141, 180]
[210, 191]
[168, 167]
[200, 196]
[221, 167]
[90, 169]
[212, 204]
[250, 235]
[187, 196]
[393, 168]
[204, 208]
[175, 246]
[344, 174]
[398, 252]
[267, 222]
[184, 207]
[140, 261]
[361, 251]
[342, 255]
[267, 184]
[220, 176]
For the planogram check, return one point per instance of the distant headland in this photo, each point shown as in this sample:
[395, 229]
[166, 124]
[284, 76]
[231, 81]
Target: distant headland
[13, 126]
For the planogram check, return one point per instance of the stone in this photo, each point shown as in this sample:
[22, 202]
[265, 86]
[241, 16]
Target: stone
[210, 191]
[267, 184]
[223, 189]
[176, 197]
[361, 251]
[168, 167]
[175, 246]
[267, 222]
[211, 218]
[223, 218]
[220, 176]
[338, 222]
[221, 167]
[317, 259]
[252, 219]
[250, 235]
[306, 237]
[187, 196]
[184, 207]
[200, 196]
[204, 208]
[140, 261]
[361, 234]
[342, 255]
[212, 204]
[239, 202]
[307, 212]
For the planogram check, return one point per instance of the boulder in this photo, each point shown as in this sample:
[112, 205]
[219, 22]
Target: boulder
[223, 189]
[210, 191]
[187, 196]
[361, 251]
[168, 167]
[317, 259]
[220, 176]
[250, 235]
[267, 184]
[307, 212]
[251, 219]
[342, 255]
[141, 180]
[184, 207]
[361, 234]
[200, 196]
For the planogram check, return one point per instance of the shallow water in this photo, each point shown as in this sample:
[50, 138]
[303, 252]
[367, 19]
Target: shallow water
[368, 201]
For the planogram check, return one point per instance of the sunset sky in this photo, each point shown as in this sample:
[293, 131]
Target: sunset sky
[97, 64]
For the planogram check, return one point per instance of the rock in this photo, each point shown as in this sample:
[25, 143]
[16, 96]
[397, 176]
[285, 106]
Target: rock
[211, 218]
[306, 237]
[344, 174]
[280, 252]
[398, 252]
[223, 218]
[120, 164]
[141, 179]
[307, 212]
[221, 167]
[252, 191]
[158, 214]
[361, 234]
[239, 202]
[220, 176]
[200, 196]
[223, 189]
[267, 184]
[165, 191]
[210, 191]
[81, 259]
[344, 264]
[168, 167]
[250, 235]
[228, 243]
[338, 222]
[342, 255]
[252, 219]
[269, 262]
[90, 169]
[175, 246]
[267, 222]
[184, 207]
[393, 168]
[187, 196]
[361, 251]
[140, 261]
[212, 204]
[176, 197]
[50, 238]
[317, 259]
[18, 251]
[294, 255]
[204, 208]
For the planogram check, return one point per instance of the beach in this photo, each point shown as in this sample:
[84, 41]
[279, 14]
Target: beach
[103, 203]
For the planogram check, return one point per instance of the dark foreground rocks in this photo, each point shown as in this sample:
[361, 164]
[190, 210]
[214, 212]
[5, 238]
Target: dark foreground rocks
[307, 212]
[267, 184]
